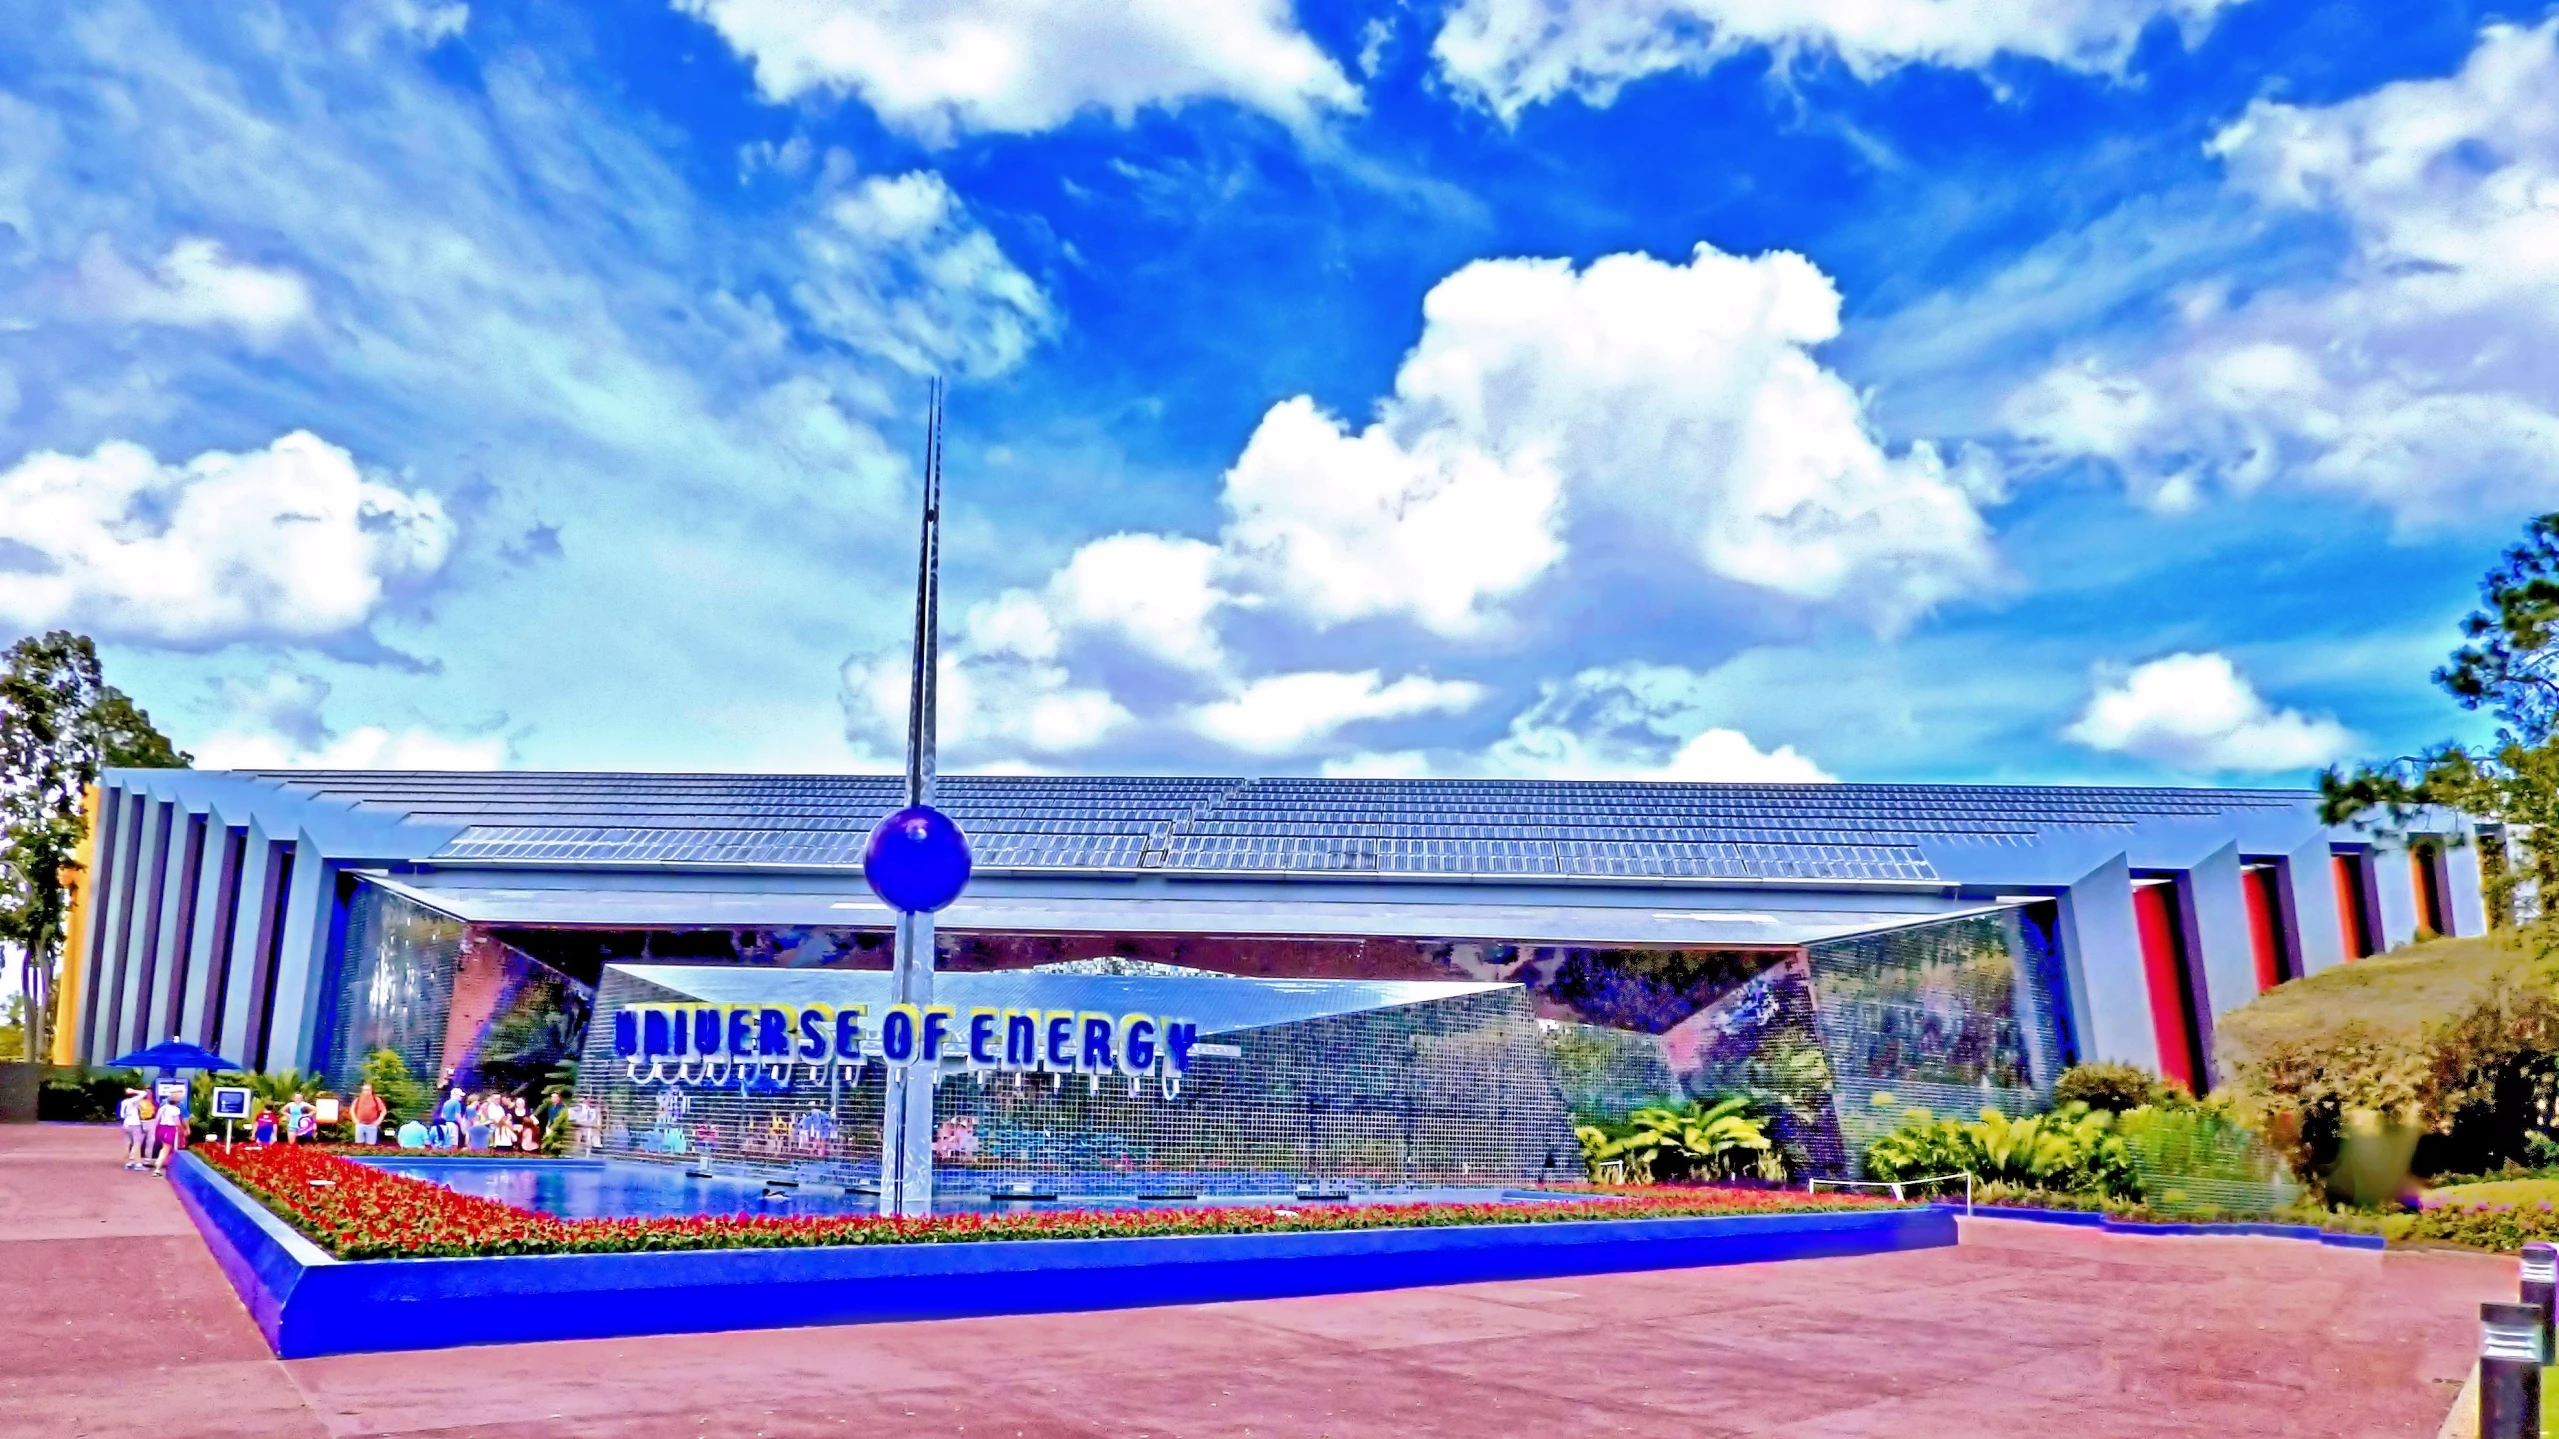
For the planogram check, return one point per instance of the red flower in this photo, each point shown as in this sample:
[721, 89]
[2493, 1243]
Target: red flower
[358, 1211]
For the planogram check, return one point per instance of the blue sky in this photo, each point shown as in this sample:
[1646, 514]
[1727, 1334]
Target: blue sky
[2052, 390]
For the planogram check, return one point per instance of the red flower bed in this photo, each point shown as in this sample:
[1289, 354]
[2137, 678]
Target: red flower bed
[357, 1211]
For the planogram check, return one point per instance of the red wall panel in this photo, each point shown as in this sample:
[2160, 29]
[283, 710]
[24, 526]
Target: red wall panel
[2163, 964]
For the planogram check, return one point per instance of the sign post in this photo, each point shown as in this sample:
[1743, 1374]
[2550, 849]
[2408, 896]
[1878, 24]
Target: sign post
[917, 862]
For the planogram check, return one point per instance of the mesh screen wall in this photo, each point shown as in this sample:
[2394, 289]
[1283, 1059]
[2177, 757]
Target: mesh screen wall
[1449, 1092]
[457, 1004]
[1955, 1017]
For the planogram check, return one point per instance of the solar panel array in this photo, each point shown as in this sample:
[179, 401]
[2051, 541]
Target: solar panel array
[1242, 826]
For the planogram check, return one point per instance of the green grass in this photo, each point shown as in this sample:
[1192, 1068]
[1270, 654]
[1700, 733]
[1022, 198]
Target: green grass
[2389, 995]
[2500, 1191]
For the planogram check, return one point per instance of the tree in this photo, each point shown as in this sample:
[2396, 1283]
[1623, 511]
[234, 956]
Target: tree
[60, 724]
[2510, 668]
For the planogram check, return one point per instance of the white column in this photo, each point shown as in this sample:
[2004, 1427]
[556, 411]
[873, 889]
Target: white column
[2103, 948]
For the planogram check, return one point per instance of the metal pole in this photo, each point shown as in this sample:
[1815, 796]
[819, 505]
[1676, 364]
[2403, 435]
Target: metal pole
[2509, 1371]
[906, 1106]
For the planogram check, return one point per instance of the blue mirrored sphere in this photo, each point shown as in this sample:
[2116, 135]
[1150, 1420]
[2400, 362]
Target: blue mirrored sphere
[917, 860]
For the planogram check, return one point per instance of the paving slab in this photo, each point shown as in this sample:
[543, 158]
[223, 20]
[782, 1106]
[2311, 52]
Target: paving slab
[117, 1323]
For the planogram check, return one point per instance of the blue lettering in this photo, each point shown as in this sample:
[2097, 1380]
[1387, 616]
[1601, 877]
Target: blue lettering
[652, 1032]
[626, 1034]
[936, 1031]
[1021, 1039]
[773, 1034]
[1097, 1043]
[897, 1034]
[706, 1030]
[1137, 1044]
[1060, 1034]
[848, 1031]
[1179, 1036]
[813, 1032]
[982, 1038]
[741, 1033]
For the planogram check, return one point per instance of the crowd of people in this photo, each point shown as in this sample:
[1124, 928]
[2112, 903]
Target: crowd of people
[155, 1127]
[487, 1120]
[156, 1122]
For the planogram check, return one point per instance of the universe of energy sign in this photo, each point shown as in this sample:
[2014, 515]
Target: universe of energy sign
[719, 1044]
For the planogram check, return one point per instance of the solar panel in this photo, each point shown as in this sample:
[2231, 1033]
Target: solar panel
[1221, 824]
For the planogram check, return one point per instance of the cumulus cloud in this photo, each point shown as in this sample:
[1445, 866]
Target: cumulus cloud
[1289, 713]
[938, 67]
[1511, 54]
[1678, 401]
[291, 543]
[277, 723]
[1667, 423]
[197, 285]
[2415, 378]
[1636, 721]
[2196, 712]
[898, 268]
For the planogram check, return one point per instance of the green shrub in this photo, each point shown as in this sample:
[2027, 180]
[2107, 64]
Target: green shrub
[1696, 1140]
[2504, 1228]
[404, 1094]
[2113, 1088]
[2073, 1148]
[81, 1095]
[2191, 1156]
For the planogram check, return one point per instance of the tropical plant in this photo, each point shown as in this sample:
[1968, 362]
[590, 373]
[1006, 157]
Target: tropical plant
[403, 1094]
[1696, 1140]
[2073, 1148]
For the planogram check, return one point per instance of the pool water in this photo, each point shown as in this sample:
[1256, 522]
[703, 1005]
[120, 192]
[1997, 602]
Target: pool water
[611, 1189]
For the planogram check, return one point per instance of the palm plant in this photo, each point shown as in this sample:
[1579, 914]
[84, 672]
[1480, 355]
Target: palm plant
[1722, 1140]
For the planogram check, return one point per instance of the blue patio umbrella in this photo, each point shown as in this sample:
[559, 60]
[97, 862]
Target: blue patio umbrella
[174, 1054]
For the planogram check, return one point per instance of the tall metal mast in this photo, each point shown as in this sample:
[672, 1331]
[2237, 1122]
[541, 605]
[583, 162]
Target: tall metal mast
[906, 1117]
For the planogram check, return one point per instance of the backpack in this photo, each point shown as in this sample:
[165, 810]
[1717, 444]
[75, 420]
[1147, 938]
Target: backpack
[143, 1108]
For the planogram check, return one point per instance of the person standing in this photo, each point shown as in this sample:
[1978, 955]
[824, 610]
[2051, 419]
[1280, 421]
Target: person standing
[476, 1116]
[367, 1112]
[137, 1127]
[262, 1129]
[170, 1129]
[297, 1119]
[448, 1119]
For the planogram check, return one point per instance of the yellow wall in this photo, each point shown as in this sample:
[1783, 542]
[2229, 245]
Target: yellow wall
[75, 940]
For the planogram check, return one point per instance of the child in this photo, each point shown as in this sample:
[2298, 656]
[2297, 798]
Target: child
[171, 1128]
[298, 1123]
[262, 1129]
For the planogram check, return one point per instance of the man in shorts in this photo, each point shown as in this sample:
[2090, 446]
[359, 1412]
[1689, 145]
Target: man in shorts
[367, 1112]
[137, 1129]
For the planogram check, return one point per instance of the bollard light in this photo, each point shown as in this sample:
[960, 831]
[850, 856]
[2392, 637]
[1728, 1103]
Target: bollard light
[2541, 1288]
[2509, 1371]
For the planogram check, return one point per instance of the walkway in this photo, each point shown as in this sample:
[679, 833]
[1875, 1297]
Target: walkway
[116, 1323]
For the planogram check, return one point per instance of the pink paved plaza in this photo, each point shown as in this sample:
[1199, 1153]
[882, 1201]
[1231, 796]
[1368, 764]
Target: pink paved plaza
[116, 1322]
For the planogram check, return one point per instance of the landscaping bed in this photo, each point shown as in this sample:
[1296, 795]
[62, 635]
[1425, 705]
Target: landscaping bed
[356, 1211]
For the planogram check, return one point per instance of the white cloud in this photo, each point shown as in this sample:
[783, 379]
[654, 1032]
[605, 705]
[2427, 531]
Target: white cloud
[1289, 713]
[2416, 377]
[1373, 764]
[1666, 402]
[2196, 712]
[1668, 424]
[365, 747]
[197, 285]
[993, 706]
[290, 543]
[897, 268]
[1511, 54]
[937, 67]
[1636, 721]
[277, 723]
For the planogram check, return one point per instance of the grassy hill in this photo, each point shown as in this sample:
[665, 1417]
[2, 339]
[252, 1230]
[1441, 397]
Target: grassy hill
[2394, 995]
